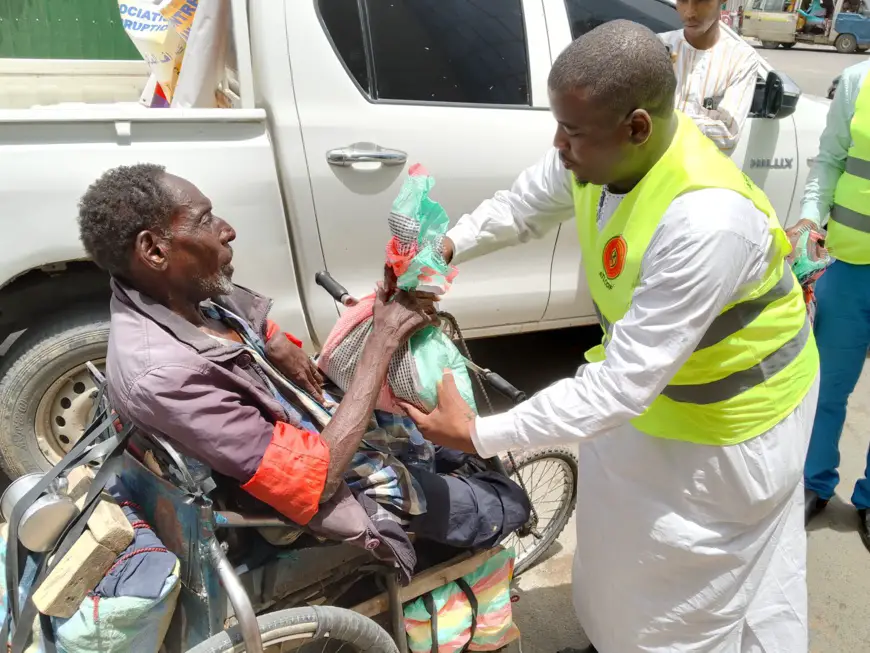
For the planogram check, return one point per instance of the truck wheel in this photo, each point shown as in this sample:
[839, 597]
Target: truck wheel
[846, 44]
[45, 388]
[787, 46]
[769, 45]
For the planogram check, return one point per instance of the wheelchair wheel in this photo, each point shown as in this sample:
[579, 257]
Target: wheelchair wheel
[550, 479]
[306, 630]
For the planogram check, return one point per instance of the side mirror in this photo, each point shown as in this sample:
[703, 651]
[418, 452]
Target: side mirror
[775, 98]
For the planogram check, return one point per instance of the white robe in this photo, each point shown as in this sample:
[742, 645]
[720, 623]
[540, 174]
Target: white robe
[715, 87]
[680, 547]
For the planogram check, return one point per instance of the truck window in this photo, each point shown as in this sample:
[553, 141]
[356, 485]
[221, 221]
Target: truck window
[586, 15]
[453, 51]
[344, 26]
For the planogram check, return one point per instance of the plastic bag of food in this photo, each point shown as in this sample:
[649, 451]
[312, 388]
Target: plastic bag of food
[418, 225]
[808, 260]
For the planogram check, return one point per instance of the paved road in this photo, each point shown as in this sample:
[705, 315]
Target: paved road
[813, 68]
[839, 565]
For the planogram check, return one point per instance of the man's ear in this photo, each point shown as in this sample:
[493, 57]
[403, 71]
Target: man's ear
[152, 250]
[641, 126]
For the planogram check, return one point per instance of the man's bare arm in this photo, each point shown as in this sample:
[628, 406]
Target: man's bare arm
[394, 323]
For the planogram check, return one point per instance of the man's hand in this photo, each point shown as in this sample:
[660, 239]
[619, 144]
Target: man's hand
[451, 422]
[815, 251]
[294, 363]
[447, 249]
[402, 314]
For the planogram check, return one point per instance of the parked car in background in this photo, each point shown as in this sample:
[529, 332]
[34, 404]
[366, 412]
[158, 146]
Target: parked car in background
[848, 30]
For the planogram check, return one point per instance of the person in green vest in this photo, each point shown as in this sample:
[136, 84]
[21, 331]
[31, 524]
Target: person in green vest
[839, 187]
[693, 416]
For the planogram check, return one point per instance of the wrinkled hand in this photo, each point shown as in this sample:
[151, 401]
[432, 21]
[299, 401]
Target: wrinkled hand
[390, 281]
[295, 364]
[451, 422]
[402, 314]
[815, 251]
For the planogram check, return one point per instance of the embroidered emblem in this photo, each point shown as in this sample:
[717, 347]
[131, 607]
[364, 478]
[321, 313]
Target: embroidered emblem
[614, 257]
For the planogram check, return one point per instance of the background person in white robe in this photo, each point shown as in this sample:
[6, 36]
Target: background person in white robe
[716, 73]
[681, 547]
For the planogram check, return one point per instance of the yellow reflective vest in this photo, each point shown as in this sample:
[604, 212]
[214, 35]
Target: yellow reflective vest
[758, 359]
[848, 236]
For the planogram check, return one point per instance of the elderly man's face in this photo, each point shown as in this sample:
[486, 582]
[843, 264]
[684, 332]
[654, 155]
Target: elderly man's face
[195, 257]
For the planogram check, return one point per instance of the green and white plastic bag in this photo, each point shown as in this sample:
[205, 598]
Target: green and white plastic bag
[418, 224]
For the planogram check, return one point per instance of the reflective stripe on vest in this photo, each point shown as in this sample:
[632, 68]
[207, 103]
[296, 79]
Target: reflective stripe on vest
[743, 314]
[848, 236]
[737, 383]
[728, 324]
[757, 359]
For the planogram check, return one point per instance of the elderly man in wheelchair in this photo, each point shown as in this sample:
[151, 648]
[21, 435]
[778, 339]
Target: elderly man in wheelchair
[195, 360]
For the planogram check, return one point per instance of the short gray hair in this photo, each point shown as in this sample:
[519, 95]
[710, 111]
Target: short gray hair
[118, 206]
[623, 64]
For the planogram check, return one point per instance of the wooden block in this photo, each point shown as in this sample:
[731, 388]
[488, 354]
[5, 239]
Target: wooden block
[108, 523]
[77, 573]
[110, 526]
[79, 481]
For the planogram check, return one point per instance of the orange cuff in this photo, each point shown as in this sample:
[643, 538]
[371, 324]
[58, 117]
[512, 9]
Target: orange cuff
[272, 329]
[292, 474]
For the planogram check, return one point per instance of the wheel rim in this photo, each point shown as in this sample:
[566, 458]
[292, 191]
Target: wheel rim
[550, 486]
[63, 412]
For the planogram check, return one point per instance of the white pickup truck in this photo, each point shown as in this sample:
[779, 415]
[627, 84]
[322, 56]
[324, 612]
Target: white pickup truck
[333, 98]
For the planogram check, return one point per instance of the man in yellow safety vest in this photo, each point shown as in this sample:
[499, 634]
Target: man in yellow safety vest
[693, 416]
[839, 186]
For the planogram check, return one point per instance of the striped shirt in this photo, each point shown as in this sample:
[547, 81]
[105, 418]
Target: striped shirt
[715, 87]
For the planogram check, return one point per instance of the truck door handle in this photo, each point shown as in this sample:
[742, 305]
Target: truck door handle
[365, 153]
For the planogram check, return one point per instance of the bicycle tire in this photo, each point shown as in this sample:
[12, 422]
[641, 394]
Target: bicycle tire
[567, 461]
[349, 631]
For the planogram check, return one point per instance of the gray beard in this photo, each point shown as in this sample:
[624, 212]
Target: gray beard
[218, 286]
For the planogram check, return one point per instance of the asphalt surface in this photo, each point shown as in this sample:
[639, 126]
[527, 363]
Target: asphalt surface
[838, 563]
[813, 68]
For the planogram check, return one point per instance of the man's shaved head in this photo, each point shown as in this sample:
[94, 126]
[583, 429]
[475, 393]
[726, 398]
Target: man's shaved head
[621, 64]
[612, 93]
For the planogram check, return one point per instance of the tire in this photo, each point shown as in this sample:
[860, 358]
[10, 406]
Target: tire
[846, 44]
[769, 45]
[787, 46]
[35, 364]
[557, 460]
[312, 628]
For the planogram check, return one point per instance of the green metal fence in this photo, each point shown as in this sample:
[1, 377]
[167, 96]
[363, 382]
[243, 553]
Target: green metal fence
[63, 29]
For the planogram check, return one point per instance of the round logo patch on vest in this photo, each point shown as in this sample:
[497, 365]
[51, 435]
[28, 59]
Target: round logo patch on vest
[614, 257]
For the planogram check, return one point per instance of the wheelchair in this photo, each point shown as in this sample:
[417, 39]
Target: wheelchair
[310, 595]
